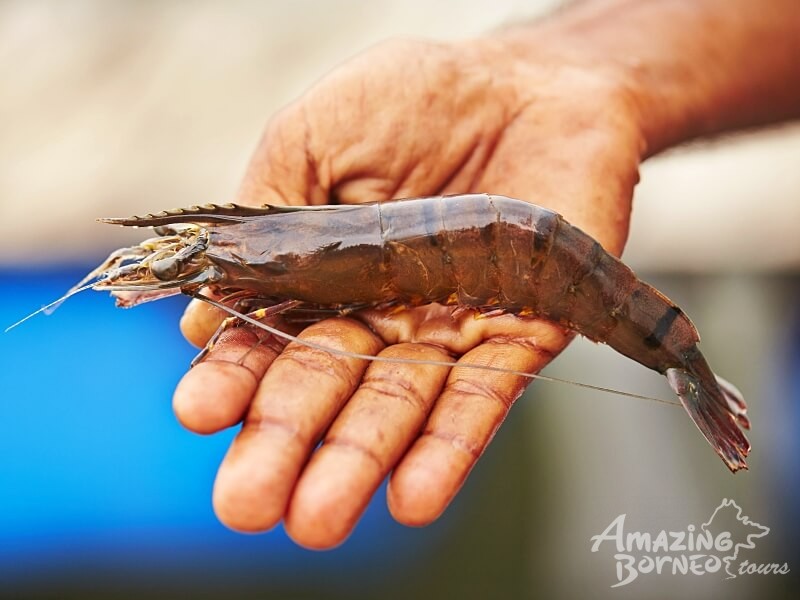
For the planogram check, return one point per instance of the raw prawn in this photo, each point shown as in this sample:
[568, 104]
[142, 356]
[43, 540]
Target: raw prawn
[477, 251]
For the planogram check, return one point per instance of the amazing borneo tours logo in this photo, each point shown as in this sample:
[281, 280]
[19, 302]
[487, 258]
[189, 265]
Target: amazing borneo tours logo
[710, 548]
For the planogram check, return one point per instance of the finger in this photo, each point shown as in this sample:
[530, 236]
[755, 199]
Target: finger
[466, 416]
[296, 401]
[215, 393]
[199, 322]
[367, 439]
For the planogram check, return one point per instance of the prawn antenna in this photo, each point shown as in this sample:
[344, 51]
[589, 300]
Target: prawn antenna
[53, 305]
[413, 361]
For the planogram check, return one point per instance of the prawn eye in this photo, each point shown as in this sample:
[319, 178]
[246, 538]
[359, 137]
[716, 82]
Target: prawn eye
[165, 269]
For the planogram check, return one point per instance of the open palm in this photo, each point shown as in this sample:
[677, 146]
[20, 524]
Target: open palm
[402, 120]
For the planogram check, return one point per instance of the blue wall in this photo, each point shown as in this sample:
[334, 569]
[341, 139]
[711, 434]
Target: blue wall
[96, 475]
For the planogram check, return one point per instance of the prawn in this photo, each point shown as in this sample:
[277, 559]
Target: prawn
[478, 252]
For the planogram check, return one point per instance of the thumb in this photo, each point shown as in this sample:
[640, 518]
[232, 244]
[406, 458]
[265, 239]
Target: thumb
[284, 168]
[282, 171]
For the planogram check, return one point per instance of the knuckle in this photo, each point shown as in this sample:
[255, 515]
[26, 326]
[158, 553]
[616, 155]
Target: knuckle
[396, 389]
[331, 337]
[234, 368]
[238, 336]
[357, 447]
[471, 386]
[255, 423]
[419, 350]
[530, 346]
[318, 361]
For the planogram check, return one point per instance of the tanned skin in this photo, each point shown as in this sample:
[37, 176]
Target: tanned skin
[560, 112]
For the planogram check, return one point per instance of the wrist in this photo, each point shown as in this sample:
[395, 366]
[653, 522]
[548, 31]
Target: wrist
[688, 68]
[599, 79]
[581, 86]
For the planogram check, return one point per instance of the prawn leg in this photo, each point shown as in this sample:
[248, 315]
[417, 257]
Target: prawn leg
[312, 314]
[258, 314]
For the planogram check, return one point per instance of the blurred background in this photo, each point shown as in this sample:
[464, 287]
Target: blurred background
[115, 108]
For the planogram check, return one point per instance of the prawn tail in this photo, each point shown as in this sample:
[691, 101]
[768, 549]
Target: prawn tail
[716, 407]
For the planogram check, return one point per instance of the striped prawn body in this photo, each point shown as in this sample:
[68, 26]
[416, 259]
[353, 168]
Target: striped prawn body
[480, 251]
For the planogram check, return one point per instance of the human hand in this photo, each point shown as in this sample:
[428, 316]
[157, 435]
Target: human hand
[404, 119]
